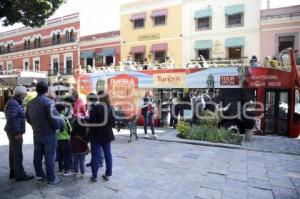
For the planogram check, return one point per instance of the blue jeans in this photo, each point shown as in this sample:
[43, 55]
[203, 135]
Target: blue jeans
[78, 160]
[45, 147]
[150, 118]
[96, 153]
[64, 155]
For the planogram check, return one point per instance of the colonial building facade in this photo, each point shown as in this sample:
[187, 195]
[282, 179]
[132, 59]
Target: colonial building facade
[151, 31]
[220, 31]
[53, 48]
[280, 29]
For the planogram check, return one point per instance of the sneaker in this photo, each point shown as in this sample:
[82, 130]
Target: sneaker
[24, 178]
[39, 178]
[60, 172]
[146, 136]
[155, 136]
[93, 179]
[105, 177]
[89, 164]
[55, 182]
[68, 173]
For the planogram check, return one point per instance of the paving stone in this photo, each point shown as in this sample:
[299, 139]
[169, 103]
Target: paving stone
[255, 193]
[283, 193]
[292, 166]
[206, 193]
[237, 176]
[296, 181]
[214, 181]
[234, 193]
[282, 182]
[259, 184]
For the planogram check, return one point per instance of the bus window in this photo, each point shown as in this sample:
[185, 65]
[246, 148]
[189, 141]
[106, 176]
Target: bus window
[297, 106]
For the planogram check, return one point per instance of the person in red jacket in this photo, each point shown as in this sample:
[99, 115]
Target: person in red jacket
[79, 107]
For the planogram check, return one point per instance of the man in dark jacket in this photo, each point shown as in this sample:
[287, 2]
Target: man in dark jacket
[15, 128]
[45, 121]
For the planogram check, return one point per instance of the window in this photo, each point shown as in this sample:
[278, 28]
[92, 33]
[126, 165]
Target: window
[36, 65]
[55, 66]
[204, 52]
[1, 49]
[69, 65]
[37, 42]
[297, 106]
[159, 20]
[26, 66]
[89, 62]
[203, 23]
[9, 47]
[139, 57]
[235, 52]
[286, 42]
[109, 60]
[139, 23]
[1, 67]
[9, 66]
[56, 38]
[70, 36]
[235, 20]
[27, 44]
[160, 56]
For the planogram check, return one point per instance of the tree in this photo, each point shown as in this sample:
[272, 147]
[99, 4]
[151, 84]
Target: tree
[31, 13]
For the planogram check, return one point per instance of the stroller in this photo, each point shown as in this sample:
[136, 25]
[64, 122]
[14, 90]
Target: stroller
[122, 121]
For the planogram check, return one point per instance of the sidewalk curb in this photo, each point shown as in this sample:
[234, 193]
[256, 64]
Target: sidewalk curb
[194, 142]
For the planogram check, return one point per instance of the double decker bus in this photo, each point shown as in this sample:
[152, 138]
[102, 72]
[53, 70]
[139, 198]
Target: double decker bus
[275, 89]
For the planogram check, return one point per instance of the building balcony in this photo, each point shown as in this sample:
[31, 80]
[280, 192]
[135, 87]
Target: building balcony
[63, 72]
[33, 46]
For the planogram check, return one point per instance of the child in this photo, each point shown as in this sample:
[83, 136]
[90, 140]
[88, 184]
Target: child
[79, 145]
[63, 144]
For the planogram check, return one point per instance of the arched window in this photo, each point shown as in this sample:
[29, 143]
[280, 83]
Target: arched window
[1, 48]
[27, 44]
[37, 42]
[9, 46]
[69, 35]
[72, 35]
[56, 38]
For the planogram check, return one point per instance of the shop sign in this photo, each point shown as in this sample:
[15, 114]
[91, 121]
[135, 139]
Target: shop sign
[151, 36]
[169, 80]
[229, 80]
[122, 86]
[218, 48]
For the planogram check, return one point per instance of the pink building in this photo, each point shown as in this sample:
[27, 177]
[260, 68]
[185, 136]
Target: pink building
[280, 29]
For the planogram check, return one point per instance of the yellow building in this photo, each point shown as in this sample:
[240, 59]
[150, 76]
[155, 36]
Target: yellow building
[151, 32]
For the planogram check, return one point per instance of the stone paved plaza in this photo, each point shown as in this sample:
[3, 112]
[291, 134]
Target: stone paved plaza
[155, 169]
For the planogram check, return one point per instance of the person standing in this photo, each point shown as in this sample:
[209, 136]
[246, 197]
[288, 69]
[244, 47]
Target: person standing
[15, 128]
[174, 110]
[63, 144]
[198, 104]
[147, 111]
[45, 121]
[101, 135]
[79, 107]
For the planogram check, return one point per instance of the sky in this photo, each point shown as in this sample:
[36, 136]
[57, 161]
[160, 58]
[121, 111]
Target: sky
[98, 16]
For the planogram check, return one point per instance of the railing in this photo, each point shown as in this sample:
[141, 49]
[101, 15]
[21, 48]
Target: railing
[61, 72]
[32, 46]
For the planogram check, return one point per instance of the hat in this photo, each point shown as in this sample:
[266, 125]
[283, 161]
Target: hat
[20, 90]
[41, 87]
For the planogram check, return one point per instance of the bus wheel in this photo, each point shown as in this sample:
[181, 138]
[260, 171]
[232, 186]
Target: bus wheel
[233, 126]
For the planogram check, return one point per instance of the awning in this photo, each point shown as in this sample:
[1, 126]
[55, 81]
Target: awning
[87, 54]
[159, 47]
[159, 13]
[138, 16]
[235, 9]
[107, 52]
[138, 49]
[235, 42]
[203, 44]
[203, 13]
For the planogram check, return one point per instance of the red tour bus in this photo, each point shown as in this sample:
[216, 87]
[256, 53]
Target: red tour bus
[275, 88]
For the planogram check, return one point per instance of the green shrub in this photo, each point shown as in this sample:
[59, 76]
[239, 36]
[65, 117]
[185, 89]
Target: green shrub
[210, 134]
[183, 128]
[210, 119]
